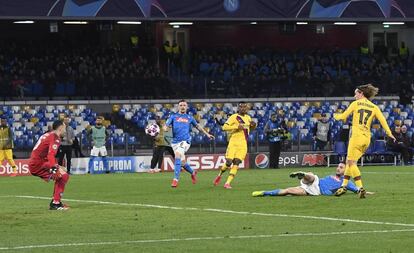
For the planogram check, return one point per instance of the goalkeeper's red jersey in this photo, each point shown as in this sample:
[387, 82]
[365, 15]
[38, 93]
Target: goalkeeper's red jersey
[46, 149]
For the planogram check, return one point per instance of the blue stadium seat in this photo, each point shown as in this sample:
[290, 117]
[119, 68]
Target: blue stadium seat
[120, 140]
[340, 148]
[380, 146]
[221, 138]
[132, 140]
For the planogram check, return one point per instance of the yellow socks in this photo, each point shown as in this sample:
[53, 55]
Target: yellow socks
[356, 174]
[13, 165]
[223, 169]
[233, 173]
[347, 175]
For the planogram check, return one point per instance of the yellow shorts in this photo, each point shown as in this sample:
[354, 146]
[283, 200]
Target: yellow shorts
[357, 147]
[237, 151]
[6, 154]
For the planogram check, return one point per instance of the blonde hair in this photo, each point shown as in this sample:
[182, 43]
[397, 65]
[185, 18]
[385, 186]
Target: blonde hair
[369, 90]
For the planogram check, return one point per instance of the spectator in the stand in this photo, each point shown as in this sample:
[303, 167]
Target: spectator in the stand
[275, 129]
[406, 93]
[406, 140]
[18, 86]
[344, 133]
[77, 148]
[364, 49]
[321, 133]
[65, 148]
[162, 144]
[400, 145]
[404, 52]
[168, 50]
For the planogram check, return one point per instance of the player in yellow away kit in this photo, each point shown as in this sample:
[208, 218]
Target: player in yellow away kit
[238, 127]
[6, 146]
[363, 112]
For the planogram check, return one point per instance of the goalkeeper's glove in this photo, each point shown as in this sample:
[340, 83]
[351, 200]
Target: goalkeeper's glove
[55, 172]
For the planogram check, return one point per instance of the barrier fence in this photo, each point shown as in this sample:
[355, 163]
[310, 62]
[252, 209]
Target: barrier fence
[141, 163]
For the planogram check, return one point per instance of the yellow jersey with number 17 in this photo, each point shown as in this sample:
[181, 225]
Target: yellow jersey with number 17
[232, 126]
[363, 113]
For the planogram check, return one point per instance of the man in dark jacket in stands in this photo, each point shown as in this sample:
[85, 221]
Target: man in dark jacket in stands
[406, 139]
[401, 145]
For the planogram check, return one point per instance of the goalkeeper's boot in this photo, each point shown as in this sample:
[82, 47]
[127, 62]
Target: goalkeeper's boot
[217, 180]
[227, 186]
[59, 207]
[258, 194]
[361, 193]
[194, 177]
[174, 183]
[298, 174]
[341, 191]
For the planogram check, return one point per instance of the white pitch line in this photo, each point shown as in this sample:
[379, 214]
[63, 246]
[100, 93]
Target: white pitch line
[200, 239]
[388, 173]
[230, 211]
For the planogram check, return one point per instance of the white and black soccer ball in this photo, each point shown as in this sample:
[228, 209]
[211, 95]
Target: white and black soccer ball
[152, 129]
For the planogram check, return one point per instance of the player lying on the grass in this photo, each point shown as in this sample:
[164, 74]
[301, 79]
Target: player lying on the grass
[43, 163]
[181, 123]
[238, 126]
[310, 184]
[363, 113]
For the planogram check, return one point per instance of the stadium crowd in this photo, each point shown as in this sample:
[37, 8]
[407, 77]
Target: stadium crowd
[96, 72]
[264, 73]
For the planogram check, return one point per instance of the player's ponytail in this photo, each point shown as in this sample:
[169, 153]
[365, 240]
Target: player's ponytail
[369, 90]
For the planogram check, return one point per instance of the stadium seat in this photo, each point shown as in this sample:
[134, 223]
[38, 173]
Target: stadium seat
[340, 148]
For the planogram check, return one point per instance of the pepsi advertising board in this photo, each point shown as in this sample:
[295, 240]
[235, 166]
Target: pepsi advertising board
[291, 159]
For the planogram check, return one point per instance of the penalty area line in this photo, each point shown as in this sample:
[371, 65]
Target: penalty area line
[228, 211]
[59, 245]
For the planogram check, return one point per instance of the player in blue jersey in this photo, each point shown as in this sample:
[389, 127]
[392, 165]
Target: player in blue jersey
[181, 124]
[311, 185]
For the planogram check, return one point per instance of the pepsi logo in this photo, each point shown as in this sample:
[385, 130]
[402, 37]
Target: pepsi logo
[261, 161]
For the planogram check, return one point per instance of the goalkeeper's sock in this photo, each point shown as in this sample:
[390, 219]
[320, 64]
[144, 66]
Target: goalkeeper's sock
[233, 173]
[188, 168]
[177, 168]
[271, 193]
[60, 187]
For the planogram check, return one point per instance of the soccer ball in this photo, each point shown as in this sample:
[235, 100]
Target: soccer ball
[152, 130]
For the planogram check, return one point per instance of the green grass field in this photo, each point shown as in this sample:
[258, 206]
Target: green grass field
[141, 213]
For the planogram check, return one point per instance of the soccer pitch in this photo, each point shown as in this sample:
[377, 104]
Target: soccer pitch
[142, 213]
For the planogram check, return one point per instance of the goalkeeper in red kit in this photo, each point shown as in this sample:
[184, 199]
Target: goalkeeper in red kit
[43, 163]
